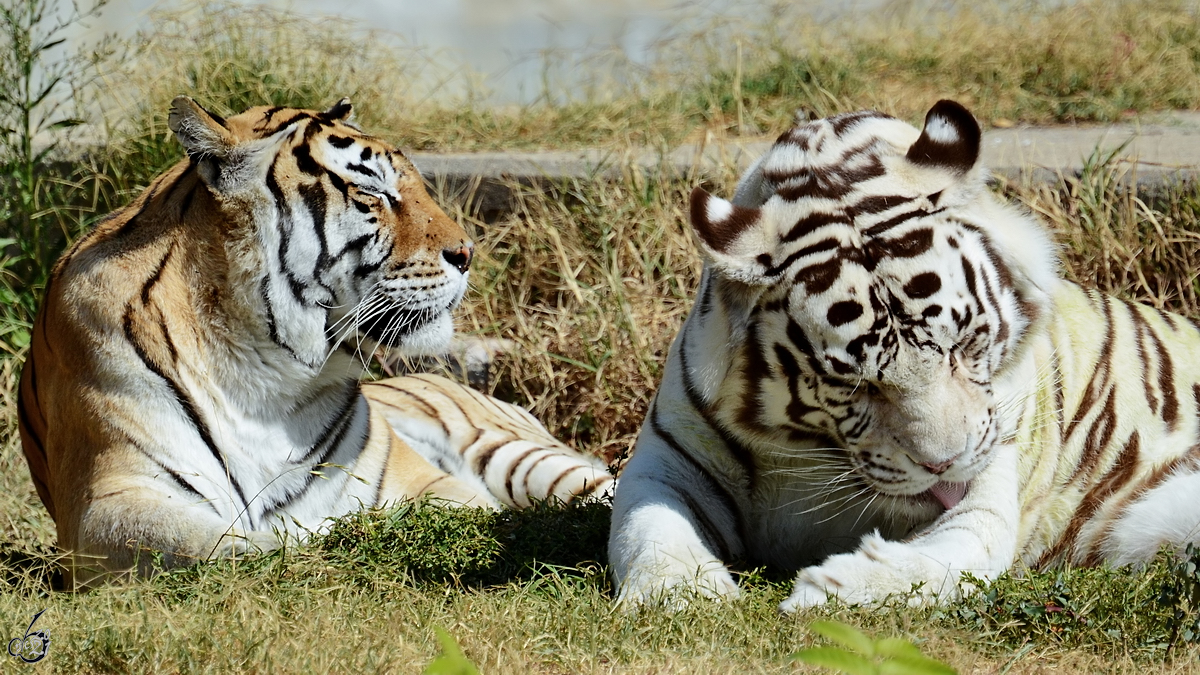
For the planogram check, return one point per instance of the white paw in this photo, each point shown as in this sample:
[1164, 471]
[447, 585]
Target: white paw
[676, 592]
[879, 569]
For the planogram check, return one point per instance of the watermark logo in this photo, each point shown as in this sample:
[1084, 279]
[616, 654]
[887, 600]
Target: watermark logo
[34, 646]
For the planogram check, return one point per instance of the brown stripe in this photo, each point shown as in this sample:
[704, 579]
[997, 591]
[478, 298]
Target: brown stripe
[1117, 477]
[1100, 373]
[426, 407]
[1097, 440]
[1140, 332]
[512, 470]
[485, 456]
[1166, 383]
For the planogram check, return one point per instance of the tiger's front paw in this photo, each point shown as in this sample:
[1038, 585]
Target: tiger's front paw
[675, 589]
[877, 570]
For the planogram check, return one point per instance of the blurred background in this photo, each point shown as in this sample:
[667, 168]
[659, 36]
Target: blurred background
[519, 50]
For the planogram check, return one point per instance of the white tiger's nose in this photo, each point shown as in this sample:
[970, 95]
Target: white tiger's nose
[938, 468]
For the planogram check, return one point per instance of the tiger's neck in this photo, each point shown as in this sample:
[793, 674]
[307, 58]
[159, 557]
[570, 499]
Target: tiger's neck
[255, 342]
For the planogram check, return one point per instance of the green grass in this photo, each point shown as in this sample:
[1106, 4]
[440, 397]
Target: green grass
[367, 596]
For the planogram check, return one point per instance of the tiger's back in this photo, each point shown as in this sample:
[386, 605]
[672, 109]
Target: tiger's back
[192, 380]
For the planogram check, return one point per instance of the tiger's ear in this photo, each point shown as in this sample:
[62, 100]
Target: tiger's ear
[202, 133]
[227, 164]
[341, 111]
[733, 237]
[950, 139]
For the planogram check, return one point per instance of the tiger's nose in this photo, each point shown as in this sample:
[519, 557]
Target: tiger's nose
[939, 468]
[460, 257]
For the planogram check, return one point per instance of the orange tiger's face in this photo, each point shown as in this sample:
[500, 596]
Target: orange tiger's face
[351, 244]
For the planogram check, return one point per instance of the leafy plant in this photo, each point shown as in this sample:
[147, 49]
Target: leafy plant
[451, 661]
[860, 655]
[37, 90]
[1181, 593]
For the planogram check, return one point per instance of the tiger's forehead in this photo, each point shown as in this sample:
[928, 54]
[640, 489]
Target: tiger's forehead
[345, 145]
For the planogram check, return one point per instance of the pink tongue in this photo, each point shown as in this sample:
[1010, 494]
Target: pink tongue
[948, 494]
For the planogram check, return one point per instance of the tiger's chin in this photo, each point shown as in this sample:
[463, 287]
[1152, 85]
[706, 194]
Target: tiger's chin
[431, 338]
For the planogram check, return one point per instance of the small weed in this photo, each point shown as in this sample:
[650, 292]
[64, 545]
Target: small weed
[451, 661]
[861, 655]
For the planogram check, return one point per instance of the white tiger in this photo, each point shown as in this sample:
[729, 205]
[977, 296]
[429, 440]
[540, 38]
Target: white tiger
[885, 383]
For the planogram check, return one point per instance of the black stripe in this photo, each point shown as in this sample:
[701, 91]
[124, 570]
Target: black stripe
[124, 229]
[156, 276]
[175, 476]
[185, 402]
[715, 487]
[23, 418]
[338, 420]
[363, 169]
[739, 452]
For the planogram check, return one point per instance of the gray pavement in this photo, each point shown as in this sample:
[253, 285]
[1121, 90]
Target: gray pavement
[1154, 150]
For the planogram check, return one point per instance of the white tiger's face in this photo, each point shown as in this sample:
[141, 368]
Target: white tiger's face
[882, 309]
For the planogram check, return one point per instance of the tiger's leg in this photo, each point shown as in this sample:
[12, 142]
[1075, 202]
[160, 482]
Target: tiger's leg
[668, 529]
[495, 446]
[978, 535]
[1167, 514]
[409, 475]
[143, 522]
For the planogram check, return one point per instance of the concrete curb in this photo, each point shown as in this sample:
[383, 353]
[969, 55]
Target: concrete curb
[1156, 154]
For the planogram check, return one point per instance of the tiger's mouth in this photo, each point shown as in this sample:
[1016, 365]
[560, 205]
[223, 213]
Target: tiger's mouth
[391, 326]
[949, 494]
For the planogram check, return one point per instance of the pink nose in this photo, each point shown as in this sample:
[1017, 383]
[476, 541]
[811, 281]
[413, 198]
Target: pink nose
[939, 468]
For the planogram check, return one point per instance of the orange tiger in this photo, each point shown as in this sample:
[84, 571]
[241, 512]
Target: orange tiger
[193, 382]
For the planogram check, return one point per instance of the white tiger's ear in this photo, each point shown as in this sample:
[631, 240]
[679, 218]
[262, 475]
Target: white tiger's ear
[202, 133]
[731, 236]
[950, 139]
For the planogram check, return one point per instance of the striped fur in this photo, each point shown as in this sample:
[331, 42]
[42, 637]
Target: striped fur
[192, 386]
[885, 383]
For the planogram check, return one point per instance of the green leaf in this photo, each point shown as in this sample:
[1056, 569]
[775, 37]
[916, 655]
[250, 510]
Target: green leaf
[921, 665]
[452, 661]
[890, 648]
[844, 635]
[67, 123]
[837, 659]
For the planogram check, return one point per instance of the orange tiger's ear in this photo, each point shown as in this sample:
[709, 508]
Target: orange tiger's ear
[341, 111]
[202, 133]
